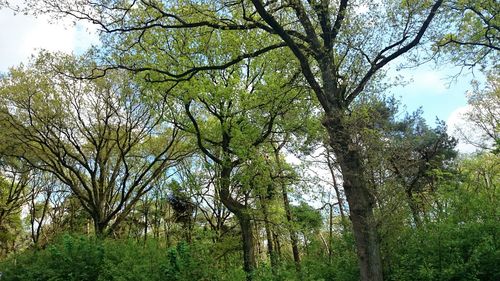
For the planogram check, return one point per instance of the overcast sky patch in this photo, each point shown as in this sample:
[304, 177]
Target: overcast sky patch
[24, 35]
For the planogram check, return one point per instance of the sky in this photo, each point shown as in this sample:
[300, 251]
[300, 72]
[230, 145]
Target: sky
[432, 89]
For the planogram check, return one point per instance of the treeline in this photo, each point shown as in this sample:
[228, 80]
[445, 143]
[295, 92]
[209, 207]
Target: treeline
[185, 189]
[167, 152]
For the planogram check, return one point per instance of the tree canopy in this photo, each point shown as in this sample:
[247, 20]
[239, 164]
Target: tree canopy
[178, 129]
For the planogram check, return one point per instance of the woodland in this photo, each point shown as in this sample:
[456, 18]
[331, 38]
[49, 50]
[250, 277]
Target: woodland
[250, 140]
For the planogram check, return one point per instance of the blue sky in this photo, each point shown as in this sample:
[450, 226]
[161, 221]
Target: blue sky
[435, 90]
[429, 88]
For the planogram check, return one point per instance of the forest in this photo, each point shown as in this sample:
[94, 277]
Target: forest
[250, 140]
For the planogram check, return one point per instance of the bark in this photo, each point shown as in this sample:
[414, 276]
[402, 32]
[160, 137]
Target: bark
[100, 228]
[146, 222]
[293, 234]
[359, 197]
[288, 213]
[277, 246]
[244, 219]
[249, 262]
[413, 207]
[270, 241]
[156, 220]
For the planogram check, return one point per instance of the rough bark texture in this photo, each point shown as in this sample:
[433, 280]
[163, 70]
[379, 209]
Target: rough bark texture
[244, 219]
[359, 196]
[248, 246]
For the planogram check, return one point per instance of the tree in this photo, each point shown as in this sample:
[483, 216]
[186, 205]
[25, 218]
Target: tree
[14, 189]
[483, 115]
[42, 189]
[97, 136]
[338, 52]
[231, 117]
[13, 194]
[460, 230]
[473, 33]
[417, 153]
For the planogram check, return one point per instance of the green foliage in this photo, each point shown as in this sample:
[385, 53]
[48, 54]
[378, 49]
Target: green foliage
[11, 198]
[306, 217]
[483, 117]
[90, 259]
[459, 240]
[447, 251]
[81, 258]
[69, 259]
[236, 98]
[472, 33]
[343, 265]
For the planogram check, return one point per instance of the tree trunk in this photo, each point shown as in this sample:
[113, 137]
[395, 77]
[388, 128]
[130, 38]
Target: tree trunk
[100, 227]
[248, 245]
[413, 207]
[293, 234]
[146, 222]
[277, 246]
[36, 231]
[270, 241]
[244, 219]
[359, 197]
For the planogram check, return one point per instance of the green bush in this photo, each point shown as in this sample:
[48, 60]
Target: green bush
[70, 259]
[343, 265]
[447, 251]
[89, 259]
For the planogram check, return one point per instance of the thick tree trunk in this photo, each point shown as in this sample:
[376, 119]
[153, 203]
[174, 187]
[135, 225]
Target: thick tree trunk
[101, 226]
[244, 219]
[248, 245]
[359, 197]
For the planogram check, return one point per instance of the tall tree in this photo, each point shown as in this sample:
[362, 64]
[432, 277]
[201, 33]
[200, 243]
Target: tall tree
[97, 137]
[230, 120]
[417, 152]
[341, 47]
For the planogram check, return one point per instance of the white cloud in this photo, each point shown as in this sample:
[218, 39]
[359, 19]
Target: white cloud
[430, 80]
[23, 35]
[461, 129]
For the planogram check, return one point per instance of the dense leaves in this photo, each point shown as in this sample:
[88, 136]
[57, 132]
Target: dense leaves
[167, 152]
